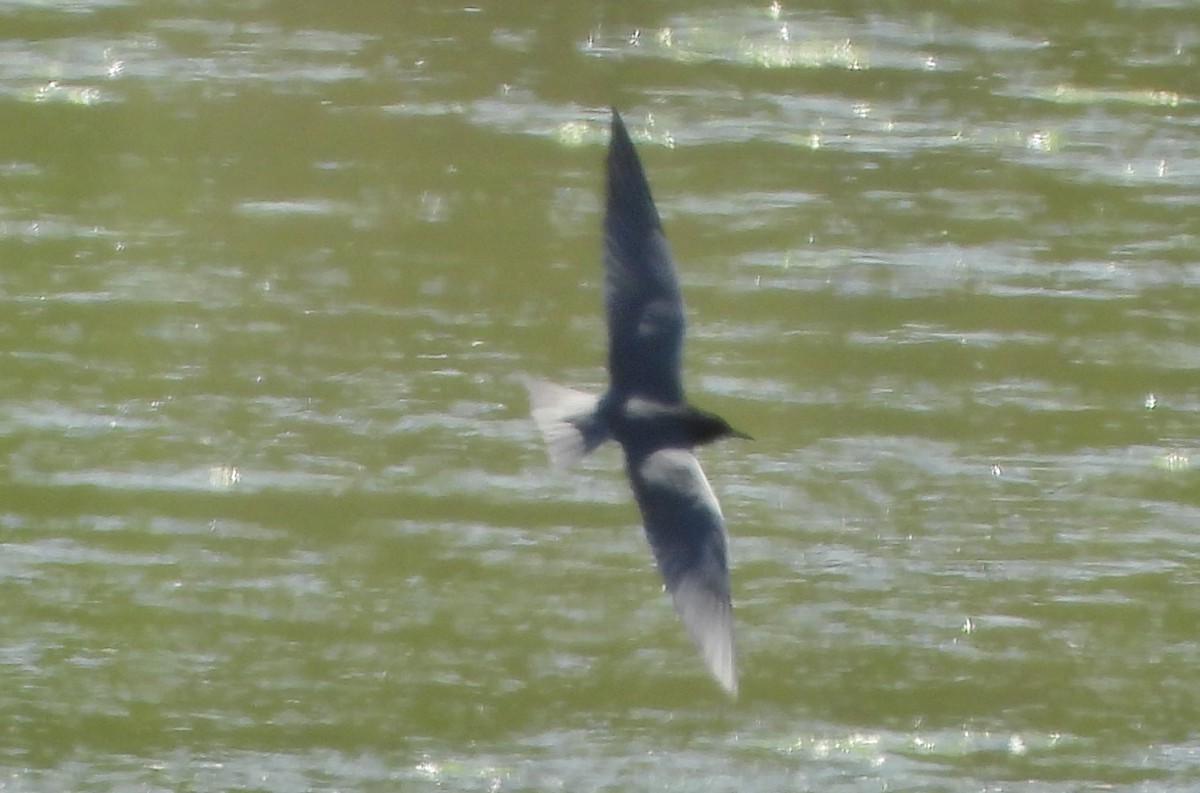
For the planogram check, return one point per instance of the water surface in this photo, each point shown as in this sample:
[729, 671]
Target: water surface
[272, 514]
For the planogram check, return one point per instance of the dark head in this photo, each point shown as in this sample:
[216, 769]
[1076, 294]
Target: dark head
[704, 427]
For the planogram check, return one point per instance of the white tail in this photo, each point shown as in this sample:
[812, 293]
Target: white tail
[567, 419]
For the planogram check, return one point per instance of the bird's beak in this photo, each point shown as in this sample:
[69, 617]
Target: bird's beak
[744, 436]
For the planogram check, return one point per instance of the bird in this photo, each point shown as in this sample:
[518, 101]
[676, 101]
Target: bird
[645, 411]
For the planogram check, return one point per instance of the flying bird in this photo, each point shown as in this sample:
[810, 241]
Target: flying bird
[645, 411]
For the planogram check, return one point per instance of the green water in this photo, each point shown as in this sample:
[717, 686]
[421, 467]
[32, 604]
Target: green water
[272, 514]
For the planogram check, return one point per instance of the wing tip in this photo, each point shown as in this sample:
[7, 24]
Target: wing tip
[708, 617]
[617, 125]
[719, 657]
[728, 680]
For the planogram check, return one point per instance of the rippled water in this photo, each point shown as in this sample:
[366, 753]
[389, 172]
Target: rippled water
[272, 514]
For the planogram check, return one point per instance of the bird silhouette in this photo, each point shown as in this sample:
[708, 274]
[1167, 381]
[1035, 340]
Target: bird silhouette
[645, 411]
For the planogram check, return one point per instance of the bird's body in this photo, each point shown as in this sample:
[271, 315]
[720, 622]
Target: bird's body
[645, 411]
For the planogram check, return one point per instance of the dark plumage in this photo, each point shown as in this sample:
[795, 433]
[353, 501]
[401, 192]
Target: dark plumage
[645, 411]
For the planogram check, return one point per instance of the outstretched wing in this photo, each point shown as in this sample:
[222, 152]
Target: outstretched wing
[687, 533]
[641, 293]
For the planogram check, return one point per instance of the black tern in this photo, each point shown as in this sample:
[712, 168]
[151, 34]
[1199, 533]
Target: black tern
[644, 410]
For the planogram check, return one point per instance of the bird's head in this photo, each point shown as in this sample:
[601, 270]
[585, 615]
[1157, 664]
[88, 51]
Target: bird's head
[704, 427]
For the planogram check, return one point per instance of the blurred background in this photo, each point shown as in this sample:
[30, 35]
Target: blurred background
[273, 516]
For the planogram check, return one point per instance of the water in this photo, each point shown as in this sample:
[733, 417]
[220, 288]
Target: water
[272, 514]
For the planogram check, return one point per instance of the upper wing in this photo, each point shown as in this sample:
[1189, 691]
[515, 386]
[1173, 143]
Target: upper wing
[684, 526]
[641, 294]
